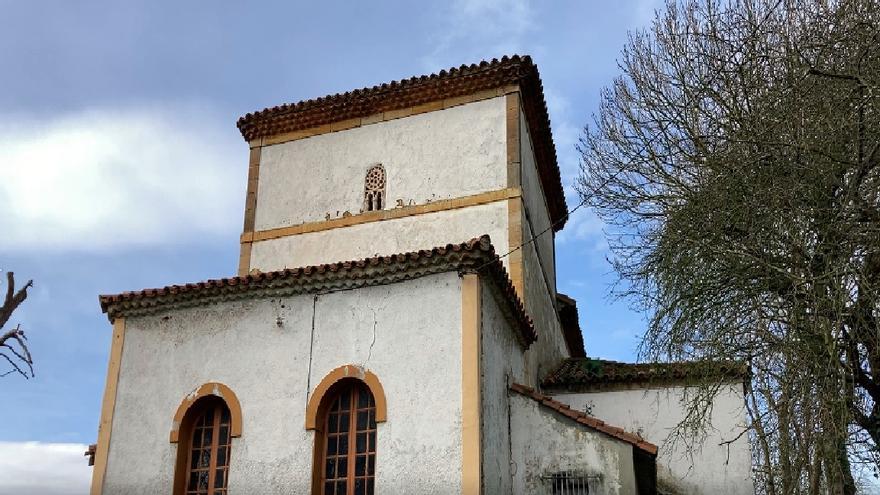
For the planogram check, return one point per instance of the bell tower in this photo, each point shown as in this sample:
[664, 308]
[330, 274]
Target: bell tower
[410, 165]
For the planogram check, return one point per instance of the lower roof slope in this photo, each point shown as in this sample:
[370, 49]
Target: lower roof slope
[474, 256]
[586, 420]
[587, 373]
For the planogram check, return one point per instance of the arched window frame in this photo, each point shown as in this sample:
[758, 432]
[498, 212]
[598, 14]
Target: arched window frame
[374, 188]
[320, 402]
[182, 425]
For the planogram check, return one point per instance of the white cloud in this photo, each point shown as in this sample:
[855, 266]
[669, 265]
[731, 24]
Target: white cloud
[584, 225]
[477, 29]
[103, 179]
[31, 468]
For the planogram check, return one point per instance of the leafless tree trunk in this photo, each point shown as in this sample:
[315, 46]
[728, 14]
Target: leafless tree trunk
[13, 343]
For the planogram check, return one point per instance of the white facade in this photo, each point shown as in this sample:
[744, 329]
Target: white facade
[711, 466]
[459, 151]
[167, 356]
[546, 443]
[385, 237]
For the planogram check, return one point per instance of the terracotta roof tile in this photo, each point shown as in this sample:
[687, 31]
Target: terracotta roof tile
[396, 95]
[586, 373]
[474, 256]
[571, 328]
[586, 420]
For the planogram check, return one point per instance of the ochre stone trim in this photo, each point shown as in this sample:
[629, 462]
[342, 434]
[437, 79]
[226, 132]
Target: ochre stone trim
[108, 405]
[515, 239]
[471, 458]
[345, 125]
[347, 371]
[244, 258]
[381, 215]
[514, 161]
[250, 208]
[218, 390]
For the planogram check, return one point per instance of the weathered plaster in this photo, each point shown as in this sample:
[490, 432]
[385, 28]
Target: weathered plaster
[503, 363]
[240, 344]
[550, 348]
[384, 238]
[436, 155]
[539, 270]
[536, 205]
[653, 413]
[545, 442]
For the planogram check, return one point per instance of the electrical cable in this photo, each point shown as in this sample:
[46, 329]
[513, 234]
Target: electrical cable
[536, 236]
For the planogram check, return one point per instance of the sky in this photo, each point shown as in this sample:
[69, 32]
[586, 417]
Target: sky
[121, 167]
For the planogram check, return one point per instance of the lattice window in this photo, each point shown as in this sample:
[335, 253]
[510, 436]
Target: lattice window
[350, 442]
[209, 449]
[374, 188]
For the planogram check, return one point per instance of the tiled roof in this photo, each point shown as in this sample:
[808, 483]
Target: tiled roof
[587, 372]
[452, 83]
[586, 420]
[476, 255]
[571, 327]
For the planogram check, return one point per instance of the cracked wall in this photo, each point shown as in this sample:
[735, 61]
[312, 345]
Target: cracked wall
[408, 334]
[545, 442]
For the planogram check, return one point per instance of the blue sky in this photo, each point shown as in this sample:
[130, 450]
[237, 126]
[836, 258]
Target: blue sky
[121, 167]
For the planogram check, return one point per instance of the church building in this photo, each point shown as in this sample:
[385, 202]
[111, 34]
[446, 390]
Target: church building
[394, 326]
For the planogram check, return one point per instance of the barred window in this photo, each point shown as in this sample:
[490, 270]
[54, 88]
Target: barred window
[349, 441]
[374, 188]
[567, 483]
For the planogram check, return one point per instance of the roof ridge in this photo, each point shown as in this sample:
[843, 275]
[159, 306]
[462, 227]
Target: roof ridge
[586, 371]
[477, 67]
[585, 419]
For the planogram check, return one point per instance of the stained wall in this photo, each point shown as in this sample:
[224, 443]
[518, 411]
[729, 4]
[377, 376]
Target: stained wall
[713, 466]
[273, 368]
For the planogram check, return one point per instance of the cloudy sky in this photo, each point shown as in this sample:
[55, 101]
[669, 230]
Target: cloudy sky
[121, 167]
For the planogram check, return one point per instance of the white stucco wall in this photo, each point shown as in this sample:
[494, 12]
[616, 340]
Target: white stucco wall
[443, 154]
[502, 363]
[545, 442]
[535, 203]
[385, 237]
[167, 356]
[550, 348]
[653, 413]
[539, 264]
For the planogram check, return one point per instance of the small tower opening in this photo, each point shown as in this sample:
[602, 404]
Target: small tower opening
[374, 188]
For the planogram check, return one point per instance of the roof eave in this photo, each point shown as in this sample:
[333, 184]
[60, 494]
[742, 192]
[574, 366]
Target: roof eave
[452, 83]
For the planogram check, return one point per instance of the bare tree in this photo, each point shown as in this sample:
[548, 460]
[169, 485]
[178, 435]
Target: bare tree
[737, 163]
[13, 343]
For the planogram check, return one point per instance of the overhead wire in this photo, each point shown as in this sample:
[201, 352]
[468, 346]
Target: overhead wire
[536, 236]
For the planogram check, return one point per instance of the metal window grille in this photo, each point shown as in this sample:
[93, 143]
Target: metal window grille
[568, 483]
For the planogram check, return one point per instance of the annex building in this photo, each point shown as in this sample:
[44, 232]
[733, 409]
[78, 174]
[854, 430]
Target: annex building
[394, 327]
